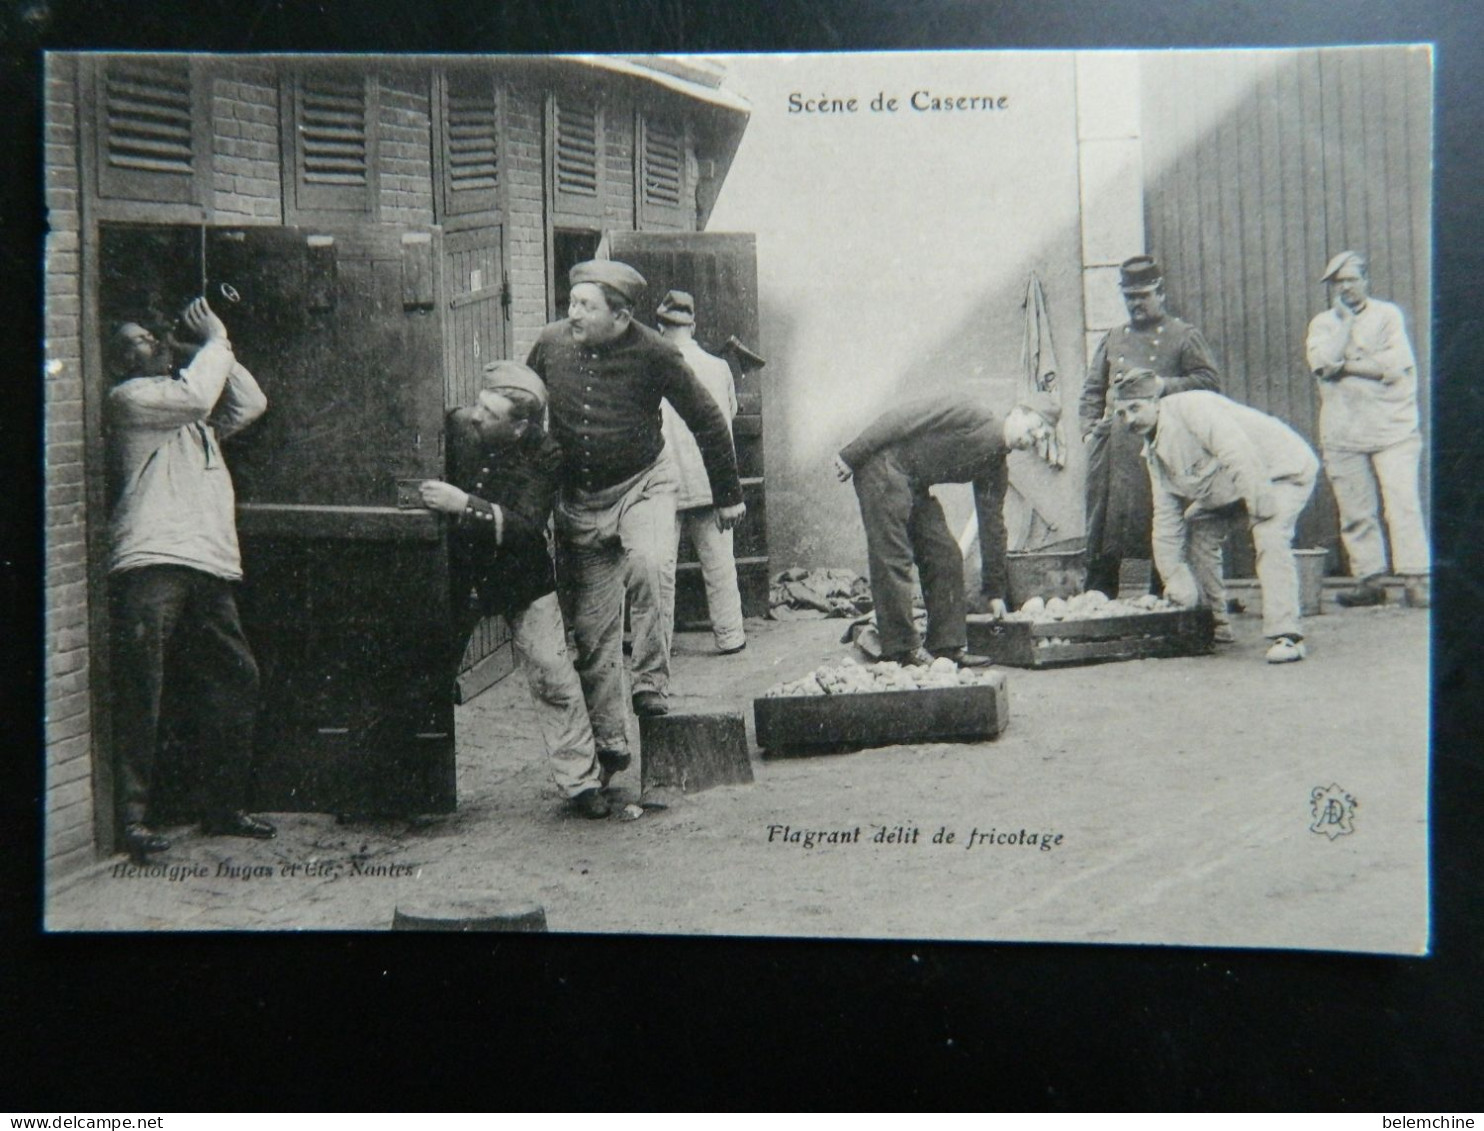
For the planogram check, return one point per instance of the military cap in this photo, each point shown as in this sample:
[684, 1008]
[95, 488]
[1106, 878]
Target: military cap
[611, 273]
[503, 376]
[1138, 385]
[677, 307]
[1044, 405]
[1335, 265]
[1141, 273]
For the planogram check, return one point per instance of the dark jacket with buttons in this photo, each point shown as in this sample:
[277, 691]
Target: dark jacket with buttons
[1171, 347]
[498, 545]
[605, 408]
[949, 438]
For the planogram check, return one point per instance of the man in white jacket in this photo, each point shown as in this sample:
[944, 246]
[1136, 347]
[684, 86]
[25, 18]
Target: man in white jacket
[1214, 463]
[697, 513]
[172, 571]
[1368, 427]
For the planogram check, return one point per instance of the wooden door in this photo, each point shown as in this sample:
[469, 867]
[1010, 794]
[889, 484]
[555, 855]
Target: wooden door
[475, 334]
[145, 273]
[720, 270]
[346, 598]
[1259, 166]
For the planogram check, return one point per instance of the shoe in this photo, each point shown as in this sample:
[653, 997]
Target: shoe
[1362, 596]
[239, 824]
[731, 651]
[963, 657]
[647, 704]
[611, 762]
[1224, 634]
[912, 658]
[1286, 650]
[140, 840]
[592, 804]
[1418, 592]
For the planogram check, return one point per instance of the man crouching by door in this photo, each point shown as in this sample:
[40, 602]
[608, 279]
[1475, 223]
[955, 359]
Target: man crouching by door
[503, 468]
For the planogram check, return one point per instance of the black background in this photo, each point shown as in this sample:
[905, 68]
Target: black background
[237, 1022]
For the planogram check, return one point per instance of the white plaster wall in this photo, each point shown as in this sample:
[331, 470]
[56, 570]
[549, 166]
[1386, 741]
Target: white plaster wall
[893, 255]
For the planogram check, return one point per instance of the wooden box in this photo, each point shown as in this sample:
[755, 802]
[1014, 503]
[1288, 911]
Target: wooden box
[1178, 632]
[882, 718]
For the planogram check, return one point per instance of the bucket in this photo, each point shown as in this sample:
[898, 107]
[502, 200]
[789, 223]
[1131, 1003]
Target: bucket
[1045, 574]
[1311, 565]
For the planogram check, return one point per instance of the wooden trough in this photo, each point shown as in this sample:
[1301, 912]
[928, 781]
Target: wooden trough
[1022, 644]
[883, 718]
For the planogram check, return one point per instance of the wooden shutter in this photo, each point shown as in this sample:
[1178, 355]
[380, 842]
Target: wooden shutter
[149, 138]
[470, 143]
[334, 143]
[662, 180]
[577, 157]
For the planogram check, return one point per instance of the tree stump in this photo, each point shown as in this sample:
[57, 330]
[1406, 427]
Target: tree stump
[468, 914]
[692, 752]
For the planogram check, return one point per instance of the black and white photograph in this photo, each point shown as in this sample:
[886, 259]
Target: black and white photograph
[947, 495]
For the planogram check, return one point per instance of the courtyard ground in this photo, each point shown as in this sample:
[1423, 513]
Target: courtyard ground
[1181, 790]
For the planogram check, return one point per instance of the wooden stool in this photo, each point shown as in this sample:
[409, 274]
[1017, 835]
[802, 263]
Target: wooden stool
[469, 914]
[692, 752]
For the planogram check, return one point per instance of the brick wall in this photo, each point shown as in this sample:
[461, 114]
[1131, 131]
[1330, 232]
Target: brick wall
[406, 162]
[247, 185]
[525, 109]
[69, 789]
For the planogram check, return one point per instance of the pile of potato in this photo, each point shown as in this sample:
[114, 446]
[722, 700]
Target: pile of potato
[1091, 605]
[850, 678]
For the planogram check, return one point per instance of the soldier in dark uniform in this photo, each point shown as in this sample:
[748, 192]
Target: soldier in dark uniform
[951, 438]
[616, 512]
[1120, 514]
[502, 468]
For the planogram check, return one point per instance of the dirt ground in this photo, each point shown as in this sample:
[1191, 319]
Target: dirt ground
[1180, 788]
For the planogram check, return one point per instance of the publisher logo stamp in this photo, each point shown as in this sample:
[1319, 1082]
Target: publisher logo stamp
[1333, 811]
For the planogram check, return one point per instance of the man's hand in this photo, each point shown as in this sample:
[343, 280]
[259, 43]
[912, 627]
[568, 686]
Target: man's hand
[440, 496]
[979, 604]
[202, 321]
[842, 470]
[728, 517]
[1180, 587]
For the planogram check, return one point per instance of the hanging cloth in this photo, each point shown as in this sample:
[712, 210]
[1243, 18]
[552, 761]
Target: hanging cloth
[1038, 365]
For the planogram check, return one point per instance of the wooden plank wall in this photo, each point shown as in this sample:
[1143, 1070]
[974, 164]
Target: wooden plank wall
[1258, 167]
[473, 330]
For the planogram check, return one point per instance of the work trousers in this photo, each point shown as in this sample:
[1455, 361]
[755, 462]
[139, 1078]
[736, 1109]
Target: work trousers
[540, 640]
[177, 626]
[1120, 508]
[905, 525]
[719, 572]
[1277, 572]
[621, 541]
[1370, 484]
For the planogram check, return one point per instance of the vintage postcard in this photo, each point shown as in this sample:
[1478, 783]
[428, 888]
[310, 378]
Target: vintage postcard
[958, 495]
